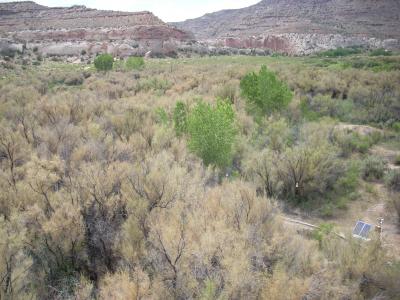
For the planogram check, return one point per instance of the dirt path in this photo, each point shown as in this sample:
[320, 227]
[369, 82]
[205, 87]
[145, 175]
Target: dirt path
[307, 226]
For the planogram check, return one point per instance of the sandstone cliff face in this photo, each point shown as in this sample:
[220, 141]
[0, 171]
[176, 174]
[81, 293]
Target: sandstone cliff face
[297, 27]
[71, 31]
[302, 26]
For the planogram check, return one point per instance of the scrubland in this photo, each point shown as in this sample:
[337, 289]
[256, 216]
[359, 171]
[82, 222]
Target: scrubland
[107, 192]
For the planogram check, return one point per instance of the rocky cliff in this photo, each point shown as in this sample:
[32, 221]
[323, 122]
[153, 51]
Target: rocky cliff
[302, 26]
[77, 29]
[289, 26]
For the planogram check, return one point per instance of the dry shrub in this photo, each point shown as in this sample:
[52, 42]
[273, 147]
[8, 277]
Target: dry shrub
[14, 263]
[84, 289]
[102, 88]
[123, 286]
[373, 168]
[101, 199]
[281, 286]
[138, 119]
[228, 91]
[396, 203]
[368, 263]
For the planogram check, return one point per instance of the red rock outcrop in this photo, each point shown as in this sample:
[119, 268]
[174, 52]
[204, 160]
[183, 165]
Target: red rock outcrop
[274, 43]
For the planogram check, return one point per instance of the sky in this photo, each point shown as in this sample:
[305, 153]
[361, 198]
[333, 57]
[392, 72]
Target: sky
[167, 10]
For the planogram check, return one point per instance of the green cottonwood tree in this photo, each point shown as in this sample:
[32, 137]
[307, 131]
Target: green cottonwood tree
[180, 118]
[104, 62]
[264, 92]
[212, 132]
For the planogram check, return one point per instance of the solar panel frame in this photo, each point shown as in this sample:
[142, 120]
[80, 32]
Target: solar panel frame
[362, 229]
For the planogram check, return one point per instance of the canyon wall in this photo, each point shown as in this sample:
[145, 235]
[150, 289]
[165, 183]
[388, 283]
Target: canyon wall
[302, 26]
[76, 30]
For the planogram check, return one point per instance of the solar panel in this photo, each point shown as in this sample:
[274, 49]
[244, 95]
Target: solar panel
[358, 228]
[365, 230]
[361, 230]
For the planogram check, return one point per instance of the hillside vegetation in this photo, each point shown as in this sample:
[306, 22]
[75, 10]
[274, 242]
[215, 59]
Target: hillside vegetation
[170, 179]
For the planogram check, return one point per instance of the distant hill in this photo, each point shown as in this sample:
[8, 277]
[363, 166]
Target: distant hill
[28, 15]
[289, 26]
[340, 20]
[72, 30]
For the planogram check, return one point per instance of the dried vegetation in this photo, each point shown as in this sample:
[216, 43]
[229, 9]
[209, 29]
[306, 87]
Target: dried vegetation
[101, 199]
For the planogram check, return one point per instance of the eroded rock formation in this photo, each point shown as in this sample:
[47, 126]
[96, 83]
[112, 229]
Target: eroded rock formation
[302, 26]
[296, 27]
[77, 30]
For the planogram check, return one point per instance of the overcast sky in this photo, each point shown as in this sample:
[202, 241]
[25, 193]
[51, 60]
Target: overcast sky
[167, 10]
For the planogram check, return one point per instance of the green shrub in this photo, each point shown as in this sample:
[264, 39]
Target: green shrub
[373, 168]
[377, 104]
[354, 142]
[345, 189]
[396, 126]
[212, 132]
[180, 118]
[380, 52]
[393, 180]
[322, 232]
[348, 183]
[134, 63]
[307, 111]
[376, 64]
[341, 52]
[319, 106]
[162, 116]
[104, 62]
[264, 92]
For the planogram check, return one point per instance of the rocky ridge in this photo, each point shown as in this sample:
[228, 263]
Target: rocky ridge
[77, 29]
[296, 27]
[302, 26]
